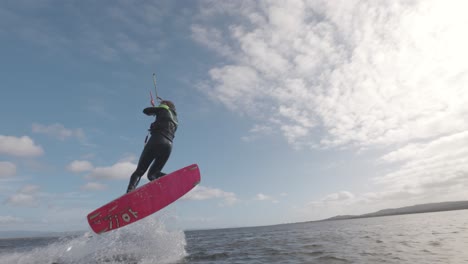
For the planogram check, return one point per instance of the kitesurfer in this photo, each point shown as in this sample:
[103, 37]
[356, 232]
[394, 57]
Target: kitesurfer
[159, 146]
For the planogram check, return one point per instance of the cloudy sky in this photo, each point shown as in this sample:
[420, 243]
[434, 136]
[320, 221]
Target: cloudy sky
[294, 110]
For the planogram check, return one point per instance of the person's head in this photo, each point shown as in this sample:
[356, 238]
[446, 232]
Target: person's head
[169, 104]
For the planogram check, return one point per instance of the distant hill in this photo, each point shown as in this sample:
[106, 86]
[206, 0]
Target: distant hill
[415, 209]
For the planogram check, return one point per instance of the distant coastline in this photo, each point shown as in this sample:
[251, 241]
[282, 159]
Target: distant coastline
[414, 209]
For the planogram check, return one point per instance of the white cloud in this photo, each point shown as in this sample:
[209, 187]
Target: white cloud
[94, 186]
[7, 169]
[129, 158]
[237, 87]
[337, 198]
[205, 193]
[212, 38]
[80, 166]
[58, 131]
[427, 169]
[19, 146]
[25, 197]
[367, 72]
[258, 131]
[119, 171]
[264, 197]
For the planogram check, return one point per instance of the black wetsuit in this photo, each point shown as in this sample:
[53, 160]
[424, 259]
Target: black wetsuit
[159, 146]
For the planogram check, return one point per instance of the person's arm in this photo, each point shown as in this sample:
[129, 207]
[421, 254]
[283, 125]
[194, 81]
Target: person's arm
[154, 110]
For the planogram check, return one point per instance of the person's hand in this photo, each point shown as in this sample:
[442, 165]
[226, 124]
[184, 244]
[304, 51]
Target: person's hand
[146, 111]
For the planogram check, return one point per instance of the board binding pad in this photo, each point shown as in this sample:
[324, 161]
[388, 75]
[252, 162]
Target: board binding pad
[144, 201]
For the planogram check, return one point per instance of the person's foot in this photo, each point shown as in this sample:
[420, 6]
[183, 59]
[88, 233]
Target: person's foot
[130, 188]
[154, 177]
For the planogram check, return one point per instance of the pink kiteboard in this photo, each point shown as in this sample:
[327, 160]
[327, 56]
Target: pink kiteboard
[145, 200]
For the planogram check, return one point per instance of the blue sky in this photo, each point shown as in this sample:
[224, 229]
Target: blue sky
[294, 110]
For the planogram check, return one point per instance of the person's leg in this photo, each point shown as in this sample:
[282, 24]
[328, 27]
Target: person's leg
[146, 157]
[163, 152]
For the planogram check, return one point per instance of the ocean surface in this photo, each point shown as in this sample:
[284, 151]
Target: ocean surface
[419, 238]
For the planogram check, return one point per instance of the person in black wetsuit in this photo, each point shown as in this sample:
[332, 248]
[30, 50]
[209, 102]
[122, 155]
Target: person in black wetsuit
[159, 146]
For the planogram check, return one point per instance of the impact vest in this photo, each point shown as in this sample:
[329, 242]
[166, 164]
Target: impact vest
[166, 122]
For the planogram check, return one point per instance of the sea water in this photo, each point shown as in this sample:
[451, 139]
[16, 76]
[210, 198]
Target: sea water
[418, 238]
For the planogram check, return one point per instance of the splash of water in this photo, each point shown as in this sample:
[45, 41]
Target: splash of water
[147, 241]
